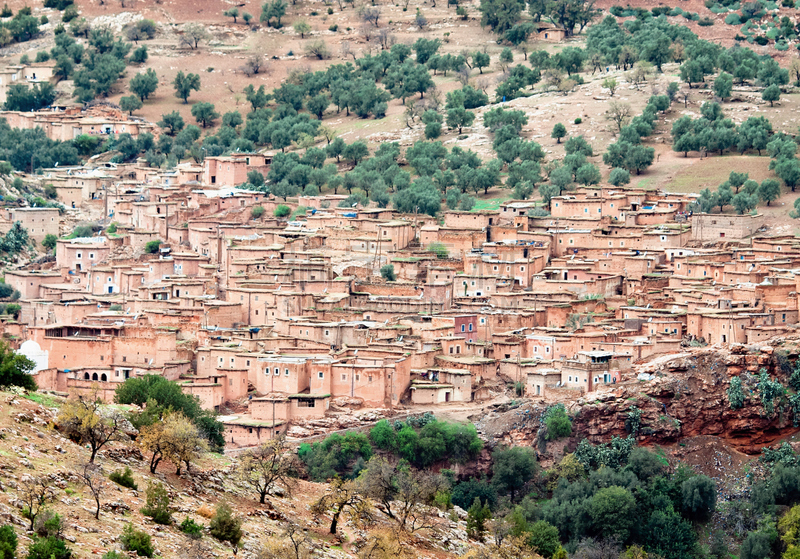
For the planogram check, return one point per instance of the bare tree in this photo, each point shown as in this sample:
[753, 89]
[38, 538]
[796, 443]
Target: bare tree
[551, 77]
[597, 549]
[366, 31]
[328, 133]
[371, 15]
[402, 492]
[385, 38]
[193, 34]
[267, 467]
[462, 75]
[254, 65]
[343, 497]
[318, 49]
[685, 93]
[618, 113]
[295, 544]
[347, 50]
[483, 84]
[35, 493]
[412, 112]
[93, 479]
[86, 420]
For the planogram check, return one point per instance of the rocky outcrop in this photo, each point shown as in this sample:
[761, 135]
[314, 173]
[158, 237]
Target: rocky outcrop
[685, 395]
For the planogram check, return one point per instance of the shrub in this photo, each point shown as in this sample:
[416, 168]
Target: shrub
[384, 436]
[224, 526]
[191, 528]
[49, 524]
[8, 541]
[137, 540]
[112, 228]
[705, 22]
[124, 477]
[439, 250]
[333, 28]
[387, 272]
[558, 424]
[82, 231]
[282, 211]
[257, 212]
[69, 14]
[578, 120]
[113, 555]
[49, 548]
[733, 19]
[152, 246]
[157, 504]
[205, 511]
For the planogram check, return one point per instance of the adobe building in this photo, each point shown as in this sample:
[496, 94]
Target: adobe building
[39, 222]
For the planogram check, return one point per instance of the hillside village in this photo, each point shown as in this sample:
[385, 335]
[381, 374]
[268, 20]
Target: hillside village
[485, 279]
[275, 322]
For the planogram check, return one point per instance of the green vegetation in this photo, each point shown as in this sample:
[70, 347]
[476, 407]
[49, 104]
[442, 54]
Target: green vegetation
[8, 542]
[191, 528]
[15, 369]
[161, 396]
[557, 422]
[342, 455]
[282, 211]
[136, 541]
[387, 272]
[157, 504]
[225, 526]
[151, 247]
[439, 250]
[124, 478]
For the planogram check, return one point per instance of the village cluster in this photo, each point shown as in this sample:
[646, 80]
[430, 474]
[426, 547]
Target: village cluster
[274, 320]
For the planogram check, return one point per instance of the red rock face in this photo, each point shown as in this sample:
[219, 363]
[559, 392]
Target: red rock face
[687, 398]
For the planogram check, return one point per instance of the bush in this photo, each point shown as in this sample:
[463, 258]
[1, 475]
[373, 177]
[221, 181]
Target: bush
[387, 272]
[733, 19]
[124, 478]
[49, 524]
[578, 120]
[282, 211]
[82, 231]
[705, 22]
[49, 548]
[224, 526]
[558, 424]
[465, 493]
[383, 436]
[191, 528]
[157, 504]
[152, 246]
[439, 250]
[8, 541]
[137, 540]
[343, 455]
[257, 212]
[69, 14]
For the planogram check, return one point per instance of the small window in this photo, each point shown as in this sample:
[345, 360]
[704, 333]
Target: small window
[277, 371]
[286, 372]
[462, 328]
[320, 374]
[344, 376]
